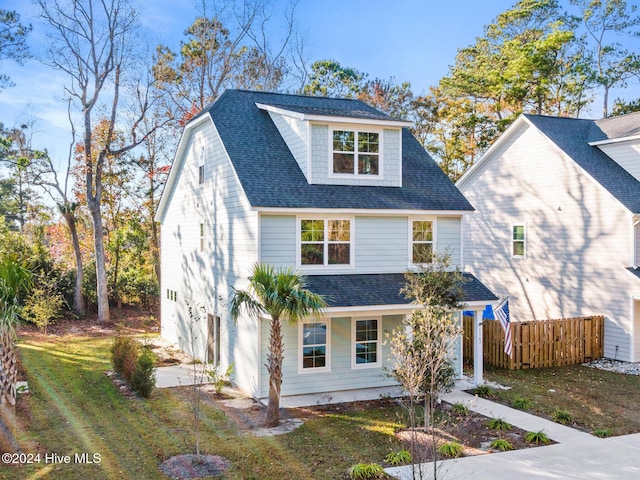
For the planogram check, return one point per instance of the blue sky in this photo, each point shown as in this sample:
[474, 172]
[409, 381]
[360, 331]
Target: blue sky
[410, 40]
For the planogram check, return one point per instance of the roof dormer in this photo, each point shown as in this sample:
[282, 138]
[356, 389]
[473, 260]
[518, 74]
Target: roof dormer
[356, 146]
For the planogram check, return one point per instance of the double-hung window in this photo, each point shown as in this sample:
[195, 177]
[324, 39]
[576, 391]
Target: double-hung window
[518, 241]
[355, 152]
[366, 342]
[314, 346]
[325, 242]
[421, 241]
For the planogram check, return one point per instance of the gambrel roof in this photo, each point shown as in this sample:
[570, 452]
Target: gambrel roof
[270, 176]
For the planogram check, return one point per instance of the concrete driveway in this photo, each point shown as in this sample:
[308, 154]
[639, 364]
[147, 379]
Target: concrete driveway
[577, 455]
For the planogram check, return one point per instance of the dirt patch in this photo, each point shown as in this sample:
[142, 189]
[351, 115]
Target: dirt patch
[133, 319]
[194, 466]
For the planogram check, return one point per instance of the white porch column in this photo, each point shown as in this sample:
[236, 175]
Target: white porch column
[477, 348]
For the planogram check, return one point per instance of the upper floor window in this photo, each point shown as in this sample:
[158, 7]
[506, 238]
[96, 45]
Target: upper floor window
[325, 242]
[356, 152]
[519, 240]
[421, 241]
[201, 167]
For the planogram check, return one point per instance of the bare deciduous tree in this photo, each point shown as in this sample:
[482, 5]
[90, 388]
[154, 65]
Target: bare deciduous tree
[92, 42]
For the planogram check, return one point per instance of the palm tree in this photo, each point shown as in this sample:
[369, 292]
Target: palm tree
[280, 294]
[15, 281]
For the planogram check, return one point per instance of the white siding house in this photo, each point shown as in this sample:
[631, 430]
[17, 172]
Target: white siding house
[555, 228]
[331, 187]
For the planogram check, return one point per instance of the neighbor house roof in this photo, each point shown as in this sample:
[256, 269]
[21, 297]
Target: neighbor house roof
[382, 289]
[573, 136]
[270, 176]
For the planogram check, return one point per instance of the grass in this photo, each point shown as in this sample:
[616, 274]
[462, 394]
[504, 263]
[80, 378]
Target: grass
[73, 407]
[596, 400]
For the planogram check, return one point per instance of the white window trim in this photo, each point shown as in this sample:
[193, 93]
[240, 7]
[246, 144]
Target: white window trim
[434, 222]
[378, 362]
[327, 367]
[325, 266]
[512, 240]
[355, 129]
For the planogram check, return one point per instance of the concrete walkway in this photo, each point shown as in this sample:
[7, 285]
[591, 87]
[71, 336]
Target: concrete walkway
[577, 455]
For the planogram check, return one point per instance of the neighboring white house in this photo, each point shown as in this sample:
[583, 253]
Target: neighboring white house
[332, 187]
[557, 222]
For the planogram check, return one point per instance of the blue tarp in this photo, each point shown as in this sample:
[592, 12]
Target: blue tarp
[487, 314]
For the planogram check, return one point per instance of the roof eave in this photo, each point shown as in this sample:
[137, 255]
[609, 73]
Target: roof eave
[609, 141]
[334, 119]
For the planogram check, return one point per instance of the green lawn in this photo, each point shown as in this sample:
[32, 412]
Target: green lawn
[73, 408]
[596, 399]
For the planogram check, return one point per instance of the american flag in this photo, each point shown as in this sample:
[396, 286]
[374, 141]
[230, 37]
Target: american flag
[502, 313]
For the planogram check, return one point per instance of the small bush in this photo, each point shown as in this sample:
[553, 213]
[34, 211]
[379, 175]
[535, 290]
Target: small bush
[459, 409]
[43, 307]
[539, 438]
[143, 380]
[218, 378]
[451, 450]
[485, 391]
[502, 445]
[124, 353]
[364, 471]
[521, 403]
[498, 424]
[402, 457]
[603, 432]
[562, 416]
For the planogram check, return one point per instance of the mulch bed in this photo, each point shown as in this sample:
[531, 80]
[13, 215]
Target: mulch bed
[192, 466]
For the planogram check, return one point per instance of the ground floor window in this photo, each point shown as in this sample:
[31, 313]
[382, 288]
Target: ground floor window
[314, 346]
[366, 342]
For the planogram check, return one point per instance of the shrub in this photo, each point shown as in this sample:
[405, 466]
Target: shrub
[143, 380]
[459, 409]
[521, 403]
[219, 378]
[364, 471]
[42, 307]
[124, 353]
[562, 416]
[451, 450]
[603, 432]
[539, 438]
[402, 457]
[498, 424]
[502, 445]
[485, 391]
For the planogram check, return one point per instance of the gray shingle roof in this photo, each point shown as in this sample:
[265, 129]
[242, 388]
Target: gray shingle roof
[381, 289]
[271, 177]
[364, 113]
[573, 137]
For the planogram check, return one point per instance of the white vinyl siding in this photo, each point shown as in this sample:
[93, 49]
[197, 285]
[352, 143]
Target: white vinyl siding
[204, 278]
[636, 236]
[296, 135]
[625, 154]
[578, 238]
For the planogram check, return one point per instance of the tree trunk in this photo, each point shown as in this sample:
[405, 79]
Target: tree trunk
[9, 372]
[274, 367]
[78, 299]
[102, 289]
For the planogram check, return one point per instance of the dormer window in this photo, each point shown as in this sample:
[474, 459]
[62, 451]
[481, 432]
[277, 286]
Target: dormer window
[355, 152]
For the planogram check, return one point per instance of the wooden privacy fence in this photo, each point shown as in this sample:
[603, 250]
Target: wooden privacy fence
[539, 343]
